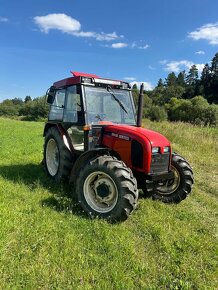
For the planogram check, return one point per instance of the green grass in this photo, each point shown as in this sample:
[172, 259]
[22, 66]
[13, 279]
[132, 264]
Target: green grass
[46, 242]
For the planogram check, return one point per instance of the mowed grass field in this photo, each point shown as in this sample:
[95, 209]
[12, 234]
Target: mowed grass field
[46, 242]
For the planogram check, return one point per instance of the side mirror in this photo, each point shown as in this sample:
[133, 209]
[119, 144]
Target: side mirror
[51, 95]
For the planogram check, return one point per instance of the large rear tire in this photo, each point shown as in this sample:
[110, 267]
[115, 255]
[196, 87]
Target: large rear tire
[58, 160]
[106, 188]
[177, 188]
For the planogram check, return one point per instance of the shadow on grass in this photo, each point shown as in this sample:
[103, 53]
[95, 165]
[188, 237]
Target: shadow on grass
[34, 176]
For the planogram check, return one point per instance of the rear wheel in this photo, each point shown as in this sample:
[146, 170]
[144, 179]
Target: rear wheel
[58, 159]
[106, 188]
[177, 188]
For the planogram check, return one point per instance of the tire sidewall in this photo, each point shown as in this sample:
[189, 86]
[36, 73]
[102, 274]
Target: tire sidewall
[53, 134]
[81, 198]
[179, 193]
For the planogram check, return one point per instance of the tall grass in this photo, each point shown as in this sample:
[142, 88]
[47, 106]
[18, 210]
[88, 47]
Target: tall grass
[46, 242]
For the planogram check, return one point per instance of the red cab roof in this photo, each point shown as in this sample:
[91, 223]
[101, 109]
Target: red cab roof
[76, 79]
[80, 74]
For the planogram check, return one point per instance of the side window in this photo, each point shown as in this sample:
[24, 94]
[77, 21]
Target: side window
[72, 112]
[57, 108]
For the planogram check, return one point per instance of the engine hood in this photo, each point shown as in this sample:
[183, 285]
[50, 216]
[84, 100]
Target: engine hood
[133, 145]
[124, 132]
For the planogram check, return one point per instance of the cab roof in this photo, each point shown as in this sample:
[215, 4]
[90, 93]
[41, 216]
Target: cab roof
[79, 77]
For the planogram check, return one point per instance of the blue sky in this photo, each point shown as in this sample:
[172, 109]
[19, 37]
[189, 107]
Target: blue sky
[42, 41]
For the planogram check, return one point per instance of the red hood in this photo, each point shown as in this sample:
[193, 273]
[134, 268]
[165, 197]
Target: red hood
[119, 139]
[154, 138]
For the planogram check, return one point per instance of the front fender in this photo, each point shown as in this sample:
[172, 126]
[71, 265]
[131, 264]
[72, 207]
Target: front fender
[82, 160]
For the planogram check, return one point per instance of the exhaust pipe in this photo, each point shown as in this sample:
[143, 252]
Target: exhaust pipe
[140, 106]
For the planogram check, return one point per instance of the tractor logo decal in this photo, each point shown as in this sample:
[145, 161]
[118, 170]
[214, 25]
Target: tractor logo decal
[123, 137]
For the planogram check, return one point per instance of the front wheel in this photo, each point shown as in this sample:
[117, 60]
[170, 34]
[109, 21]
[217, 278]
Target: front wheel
[106, 188]
[177, 188]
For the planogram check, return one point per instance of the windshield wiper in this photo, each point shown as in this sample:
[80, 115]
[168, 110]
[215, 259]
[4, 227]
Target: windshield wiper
[110, 91]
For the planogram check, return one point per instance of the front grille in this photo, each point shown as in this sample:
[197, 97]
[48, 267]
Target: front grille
[137, 154]
[160, 163]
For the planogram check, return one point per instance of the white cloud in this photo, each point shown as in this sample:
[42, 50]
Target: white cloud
[107, 36]
[200, 52]
[147, 85]
[69, 25]
[119, 45]
[60, 22]
[143, 47]
[200, 67]
[207, 32]
[3, 19]
[163, 61]
[135, 45]
[151, 67]
[177, 66]
[130, 78]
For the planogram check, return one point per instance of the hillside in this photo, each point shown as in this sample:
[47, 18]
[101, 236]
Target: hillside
[46, 242]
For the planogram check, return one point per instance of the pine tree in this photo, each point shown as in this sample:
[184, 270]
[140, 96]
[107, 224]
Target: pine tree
[213, 98]
[134, 87]
[171, 79]
[181, 79]
[192, 76]
[160, 83]
[214, 66]
[206, 79]
[27, 99]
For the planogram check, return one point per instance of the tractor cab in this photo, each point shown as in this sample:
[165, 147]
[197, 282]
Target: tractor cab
[81, 102]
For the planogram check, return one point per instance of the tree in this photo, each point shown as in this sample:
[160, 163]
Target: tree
[206, 80]
[134, 87]
[192, 83]
[27, 99]
[156, 113]
[192, 76]
[135, 94]
[171, 79]
[181, 79]
[160, 83]
[214, 65]
[213, 96]
[8, 109]
[35, 110]
[17, 101]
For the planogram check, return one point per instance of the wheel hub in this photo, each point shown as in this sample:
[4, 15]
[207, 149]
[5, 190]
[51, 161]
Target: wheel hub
[104, 189]
[100, 191]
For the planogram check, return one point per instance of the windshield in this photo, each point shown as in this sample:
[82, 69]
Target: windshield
[101, 105]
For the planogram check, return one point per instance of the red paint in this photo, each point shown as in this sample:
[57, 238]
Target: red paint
[80, 74]
[146, 138]
[67, 82]
[76, 79]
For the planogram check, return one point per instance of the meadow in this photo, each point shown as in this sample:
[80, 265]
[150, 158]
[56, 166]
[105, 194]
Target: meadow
[46, 242]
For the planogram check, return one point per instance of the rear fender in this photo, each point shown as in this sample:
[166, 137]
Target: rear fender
[63, 133]
[82, 160]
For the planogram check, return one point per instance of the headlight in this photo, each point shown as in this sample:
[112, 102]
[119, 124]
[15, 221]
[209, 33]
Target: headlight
[155, 150]
[166, 149]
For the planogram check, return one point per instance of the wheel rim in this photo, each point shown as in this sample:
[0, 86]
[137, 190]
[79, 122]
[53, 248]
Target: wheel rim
[171, 185]
[100, 192]
[52, 157]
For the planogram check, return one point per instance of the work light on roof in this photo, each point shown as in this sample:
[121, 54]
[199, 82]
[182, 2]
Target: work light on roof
[107, 82]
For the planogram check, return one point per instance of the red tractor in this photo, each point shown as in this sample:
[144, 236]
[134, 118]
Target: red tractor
[94, 139]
